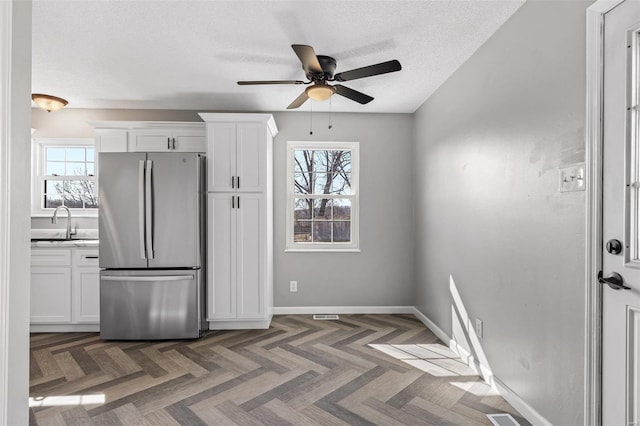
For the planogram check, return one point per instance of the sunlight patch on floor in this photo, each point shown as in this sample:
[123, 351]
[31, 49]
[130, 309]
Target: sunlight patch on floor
[65, 400]
[435, 359]
[476, 388]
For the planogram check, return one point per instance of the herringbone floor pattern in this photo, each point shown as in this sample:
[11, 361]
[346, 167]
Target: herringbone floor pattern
[361, 370]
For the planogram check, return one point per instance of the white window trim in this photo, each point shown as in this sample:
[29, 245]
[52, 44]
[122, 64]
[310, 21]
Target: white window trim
[37, 167]
[354, 245]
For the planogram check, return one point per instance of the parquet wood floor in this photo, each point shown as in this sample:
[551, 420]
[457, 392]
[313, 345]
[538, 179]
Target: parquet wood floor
[359, 370]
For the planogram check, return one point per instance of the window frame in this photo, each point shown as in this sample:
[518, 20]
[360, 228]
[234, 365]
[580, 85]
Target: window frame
[354, 196]
[38, 174]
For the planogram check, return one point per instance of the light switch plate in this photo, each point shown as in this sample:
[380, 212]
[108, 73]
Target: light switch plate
[572, 178]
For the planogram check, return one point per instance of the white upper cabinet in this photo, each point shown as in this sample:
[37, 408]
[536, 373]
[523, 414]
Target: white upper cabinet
[237, 151]
[110, 140]
[150, 136]
[221, 157]
[251, 142]
[168, 140]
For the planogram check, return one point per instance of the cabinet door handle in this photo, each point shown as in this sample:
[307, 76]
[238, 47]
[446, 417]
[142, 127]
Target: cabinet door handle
[233, 181]
[168, 143]
[91, 257]
[233, 202]
[174, 143]
[238, 179]
[238, 201]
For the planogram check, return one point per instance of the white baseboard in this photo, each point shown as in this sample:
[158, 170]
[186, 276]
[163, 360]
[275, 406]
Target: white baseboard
[525, 410]
[239, 324]
[64, 328]
[432, 326]
[344, 310]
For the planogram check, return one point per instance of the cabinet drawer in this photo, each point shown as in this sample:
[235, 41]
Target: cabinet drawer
[85, 257]
[50, 257]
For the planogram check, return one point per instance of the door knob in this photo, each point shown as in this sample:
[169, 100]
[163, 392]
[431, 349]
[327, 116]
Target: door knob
[615, 281]
[614, 246]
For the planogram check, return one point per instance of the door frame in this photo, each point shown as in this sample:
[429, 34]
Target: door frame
[5, 137]
[593, 244]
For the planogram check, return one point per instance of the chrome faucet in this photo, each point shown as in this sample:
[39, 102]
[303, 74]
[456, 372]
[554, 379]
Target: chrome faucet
[54, 219]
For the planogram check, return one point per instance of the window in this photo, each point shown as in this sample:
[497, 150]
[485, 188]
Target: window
[64, 175]
[322, 205]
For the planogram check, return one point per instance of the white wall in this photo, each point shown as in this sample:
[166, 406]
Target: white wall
[14, 318]
[489, 221]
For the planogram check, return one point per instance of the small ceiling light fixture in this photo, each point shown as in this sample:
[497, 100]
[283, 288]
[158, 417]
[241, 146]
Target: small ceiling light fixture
[48, 102]
[320, 92]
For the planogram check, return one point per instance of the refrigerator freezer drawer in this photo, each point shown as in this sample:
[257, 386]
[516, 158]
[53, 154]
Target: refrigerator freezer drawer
[150, 305]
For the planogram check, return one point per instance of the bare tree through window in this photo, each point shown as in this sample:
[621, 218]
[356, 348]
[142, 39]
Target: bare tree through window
[317, 218]
[70, 177]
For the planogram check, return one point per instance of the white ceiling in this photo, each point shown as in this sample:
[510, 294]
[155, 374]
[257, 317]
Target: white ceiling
[185, 54]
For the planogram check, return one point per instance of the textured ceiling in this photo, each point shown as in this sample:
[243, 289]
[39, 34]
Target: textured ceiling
[186, 54]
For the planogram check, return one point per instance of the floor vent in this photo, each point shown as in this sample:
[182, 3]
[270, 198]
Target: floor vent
[502, 420]
[325, 317]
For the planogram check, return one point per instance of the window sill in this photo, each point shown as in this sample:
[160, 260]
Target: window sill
[322, 250]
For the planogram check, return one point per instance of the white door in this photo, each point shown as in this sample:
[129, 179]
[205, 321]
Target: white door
[221, 247]
[190, 140]
[86, 294]
[221, 156]
[621, 218]
[251, 151]
[151, 140]
[250, 256]
[50, 294]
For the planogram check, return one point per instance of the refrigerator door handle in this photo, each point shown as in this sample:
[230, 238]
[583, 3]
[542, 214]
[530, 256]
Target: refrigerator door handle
[147, 278]
[149, 208]
[141, 196]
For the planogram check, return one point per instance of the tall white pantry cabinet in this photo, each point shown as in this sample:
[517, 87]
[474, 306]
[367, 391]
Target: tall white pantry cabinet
[240, 220]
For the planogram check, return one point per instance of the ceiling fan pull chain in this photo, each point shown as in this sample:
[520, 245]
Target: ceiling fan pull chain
[311, 118]
[330, 125]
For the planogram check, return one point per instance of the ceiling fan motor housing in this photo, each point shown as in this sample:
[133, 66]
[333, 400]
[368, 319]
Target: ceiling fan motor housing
[328, 65]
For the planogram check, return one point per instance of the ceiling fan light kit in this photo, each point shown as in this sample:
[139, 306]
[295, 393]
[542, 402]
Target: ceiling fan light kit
[320, 92]
[49, 102]
[320, 69]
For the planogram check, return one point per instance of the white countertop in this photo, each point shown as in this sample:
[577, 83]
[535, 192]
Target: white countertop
[55, 238]
[64, 243]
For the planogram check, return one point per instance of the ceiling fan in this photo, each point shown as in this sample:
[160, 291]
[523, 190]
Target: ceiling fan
[320, 69]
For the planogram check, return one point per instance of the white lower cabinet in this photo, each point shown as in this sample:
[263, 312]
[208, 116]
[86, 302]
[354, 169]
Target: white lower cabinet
[238, 281]
[50, 294]
[65, 289]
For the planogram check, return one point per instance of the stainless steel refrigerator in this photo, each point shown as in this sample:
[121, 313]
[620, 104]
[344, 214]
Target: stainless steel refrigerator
[152, 245]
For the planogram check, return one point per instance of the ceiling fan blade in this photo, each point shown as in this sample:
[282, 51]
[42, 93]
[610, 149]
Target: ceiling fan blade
[354, 95]
[246, 83]
[308, 57]
[371, 70]
[298, 101]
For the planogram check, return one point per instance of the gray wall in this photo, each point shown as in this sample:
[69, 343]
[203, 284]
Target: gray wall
[381, 274]
[488, 216]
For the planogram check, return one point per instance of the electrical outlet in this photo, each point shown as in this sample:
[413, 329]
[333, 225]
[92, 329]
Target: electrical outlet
[479, 328]
[293, 286]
